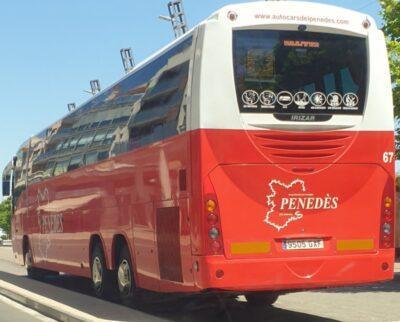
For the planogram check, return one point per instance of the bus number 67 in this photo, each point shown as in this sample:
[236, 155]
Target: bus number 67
[388, 157]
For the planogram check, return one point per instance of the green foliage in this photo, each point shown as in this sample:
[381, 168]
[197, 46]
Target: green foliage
[5, 216]
[391, 17]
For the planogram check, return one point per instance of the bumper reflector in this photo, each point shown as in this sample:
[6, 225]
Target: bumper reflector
[250, 248]
[355, 244]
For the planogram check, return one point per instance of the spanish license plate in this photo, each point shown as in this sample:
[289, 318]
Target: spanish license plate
[300, 244]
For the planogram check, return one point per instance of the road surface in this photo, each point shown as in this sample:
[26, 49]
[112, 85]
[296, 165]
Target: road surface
[378, 302]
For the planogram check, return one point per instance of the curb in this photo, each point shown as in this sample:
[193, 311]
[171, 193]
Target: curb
[43, 305]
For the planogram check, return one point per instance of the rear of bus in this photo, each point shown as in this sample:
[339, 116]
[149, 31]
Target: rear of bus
[292, 149]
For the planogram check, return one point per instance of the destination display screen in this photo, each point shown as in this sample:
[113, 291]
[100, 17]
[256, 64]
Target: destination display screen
[293, 72]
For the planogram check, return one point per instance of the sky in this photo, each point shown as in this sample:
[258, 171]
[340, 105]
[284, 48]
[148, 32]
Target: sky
[50, 50]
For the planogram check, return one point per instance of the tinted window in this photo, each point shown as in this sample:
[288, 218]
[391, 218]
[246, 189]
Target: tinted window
[19, 176]
[66, 144]
[90, 158]
[75, 163]
[72, 143]
[61, 167]
[85, 140]
[299, 72]
[120, 120]
[144, 107]
[103, 155]
[49, 169]
[99, 137]
[95, 125]
[161, 106]
[109, 138]
[59, 146]
[105, 123]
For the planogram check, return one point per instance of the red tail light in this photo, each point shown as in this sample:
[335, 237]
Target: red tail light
[387, 227]
[212, 222]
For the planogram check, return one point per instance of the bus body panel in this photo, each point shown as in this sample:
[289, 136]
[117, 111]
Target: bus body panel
[104, 200]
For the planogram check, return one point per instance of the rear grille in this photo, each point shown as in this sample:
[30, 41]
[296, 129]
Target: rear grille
[284, 147]
[303, 155]
[296, 137]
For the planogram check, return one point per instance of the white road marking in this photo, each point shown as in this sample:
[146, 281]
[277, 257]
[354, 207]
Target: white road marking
[24, 309]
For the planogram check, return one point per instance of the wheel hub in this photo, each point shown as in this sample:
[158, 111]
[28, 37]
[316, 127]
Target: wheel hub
[28, 259]
[97, 272]
[124, 277]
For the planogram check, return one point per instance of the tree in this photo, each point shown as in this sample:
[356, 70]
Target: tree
[5, 216]
[391, 17]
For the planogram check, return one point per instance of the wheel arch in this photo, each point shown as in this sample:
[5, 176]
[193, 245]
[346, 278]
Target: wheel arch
[25, 247]
[119, 241]
[96, 239]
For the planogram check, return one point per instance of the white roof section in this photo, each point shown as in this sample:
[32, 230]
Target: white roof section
[295, 12]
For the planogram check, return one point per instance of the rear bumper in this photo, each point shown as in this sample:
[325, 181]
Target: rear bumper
[294, 273]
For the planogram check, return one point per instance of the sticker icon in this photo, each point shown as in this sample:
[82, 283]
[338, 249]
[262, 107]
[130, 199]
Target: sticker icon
[302, 99]
[318, 99]
[334, 99]
[267, 98]
[250, 98]
[350, 100]
[285, 99]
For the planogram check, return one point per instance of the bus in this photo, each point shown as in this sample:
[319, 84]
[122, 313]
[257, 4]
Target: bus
[254, 155]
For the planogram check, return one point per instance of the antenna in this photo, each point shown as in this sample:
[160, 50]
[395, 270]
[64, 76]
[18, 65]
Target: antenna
[71, 107]
[94, 87]
[176, 17]
[127, 59]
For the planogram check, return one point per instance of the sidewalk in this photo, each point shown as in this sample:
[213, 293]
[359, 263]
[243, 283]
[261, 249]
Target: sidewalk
[58, 302]
[6, 253]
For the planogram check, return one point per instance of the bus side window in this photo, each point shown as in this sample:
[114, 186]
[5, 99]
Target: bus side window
[72, 143]
[49, 169]
[75, 163]
[103, 155]
[99, 138]
[161, 107]
[85, 140]
[61, 167]
[7, 180]
[90, 158]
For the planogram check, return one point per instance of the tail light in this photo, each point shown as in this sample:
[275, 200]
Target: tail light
[387, 227]
[212, 222]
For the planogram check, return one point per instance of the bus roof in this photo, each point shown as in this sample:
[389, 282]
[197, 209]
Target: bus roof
[262, 13]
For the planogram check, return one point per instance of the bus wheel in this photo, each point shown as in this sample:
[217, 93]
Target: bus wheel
[125, 277]
[32, 272]
[103, 280]
[262, 299]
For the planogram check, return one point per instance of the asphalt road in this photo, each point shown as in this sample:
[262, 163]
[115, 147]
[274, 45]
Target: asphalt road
[378, 302]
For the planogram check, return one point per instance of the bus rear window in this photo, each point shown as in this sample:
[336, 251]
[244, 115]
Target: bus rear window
[299, 72]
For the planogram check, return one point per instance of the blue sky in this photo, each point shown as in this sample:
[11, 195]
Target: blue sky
[52, 49]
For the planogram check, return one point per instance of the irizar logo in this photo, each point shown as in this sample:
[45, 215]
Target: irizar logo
[302, 118]
[289, 202]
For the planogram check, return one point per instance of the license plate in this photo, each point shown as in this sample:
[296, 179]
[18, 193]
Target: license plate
[303, 244]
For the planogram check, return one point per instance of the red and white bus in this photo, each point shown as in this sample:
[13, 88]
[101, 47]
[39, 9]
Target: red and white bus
[254, 155]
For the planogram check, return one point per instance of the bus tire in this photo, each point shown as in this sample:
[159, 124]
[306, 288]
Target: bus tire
[31, 271]
[125, 277]
[103, 280]
[262, 299]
